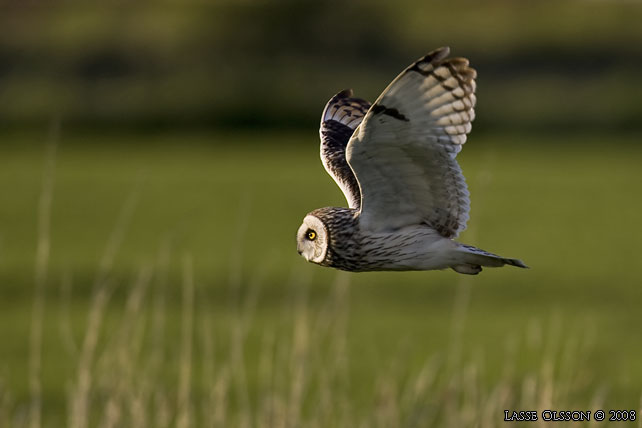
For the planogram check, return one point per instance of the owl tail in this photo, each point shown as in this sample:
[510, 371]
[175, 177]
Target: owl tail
[474, 258]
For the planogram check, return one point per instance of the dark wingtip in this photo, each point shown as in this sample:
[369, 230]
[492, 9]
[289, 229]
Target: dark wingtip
[346, 93]
[439, 53]
[426, 63]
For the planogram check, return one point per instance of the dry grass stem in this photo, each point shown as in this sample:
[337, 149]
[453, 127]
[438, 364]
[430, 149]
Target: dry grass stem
[183, 408]
[41, 267]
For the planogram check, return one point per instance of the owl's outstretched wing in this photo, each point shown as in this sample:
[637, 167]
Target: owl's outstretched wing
[341, 115]
[403, 154]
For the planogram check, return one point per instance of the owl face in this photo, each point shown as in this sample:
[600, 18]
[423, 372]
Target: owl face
[312, 239]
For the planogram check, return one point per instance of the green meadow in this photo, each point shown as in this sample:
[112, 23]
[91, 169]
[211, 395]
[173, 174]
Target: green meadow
[153, 280]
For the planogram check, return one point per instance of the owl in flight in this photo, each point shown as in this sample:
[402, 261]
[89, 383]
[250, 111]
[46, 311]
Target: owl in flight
[395, 162]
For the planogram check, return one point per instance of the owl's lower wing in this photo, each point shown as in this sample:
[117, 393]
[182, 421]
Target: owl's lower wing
[341, 116]
[403, 153]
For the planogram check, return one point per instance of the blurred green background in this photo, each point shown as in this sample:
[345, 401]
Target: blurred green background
[183, 149]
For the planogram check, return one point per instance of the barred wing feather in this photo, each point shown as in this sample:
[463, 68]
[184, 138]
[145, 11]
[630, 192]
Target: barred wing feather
[341, 116]
[403, 153]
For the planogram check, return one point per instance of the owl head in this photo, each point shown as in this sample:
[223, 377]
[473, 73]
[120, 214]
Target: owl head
[312, 239]
[327, 236]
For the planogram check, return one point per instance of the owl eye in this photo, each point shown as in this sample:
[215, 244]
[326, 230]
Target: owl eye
[311, 234]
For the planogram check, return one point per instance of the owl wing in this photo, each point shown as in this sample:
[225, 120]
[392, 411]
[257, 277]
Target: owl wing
[341, 115]
[403, 154]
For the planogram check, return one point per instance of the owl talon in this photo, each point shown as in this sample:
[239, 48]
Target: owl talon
[467, 269]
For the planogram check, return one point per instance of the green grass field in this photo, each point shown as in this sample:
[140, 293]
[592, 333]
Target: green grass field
[209, 315]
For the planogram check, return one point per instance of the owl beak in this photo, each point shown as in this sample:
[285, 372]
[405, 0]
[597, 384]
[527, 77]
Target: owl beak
[300, 251]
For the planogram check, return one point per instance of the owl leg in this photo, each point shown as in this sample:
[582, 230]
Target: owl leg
[467, 269]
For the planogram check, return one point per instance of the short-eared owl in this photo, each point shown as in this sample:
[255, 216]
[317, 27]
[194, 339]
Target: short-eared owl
[395, 162]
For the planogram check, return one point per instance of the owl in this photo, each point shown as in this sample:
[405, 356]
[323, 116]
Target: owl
[395, 162]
